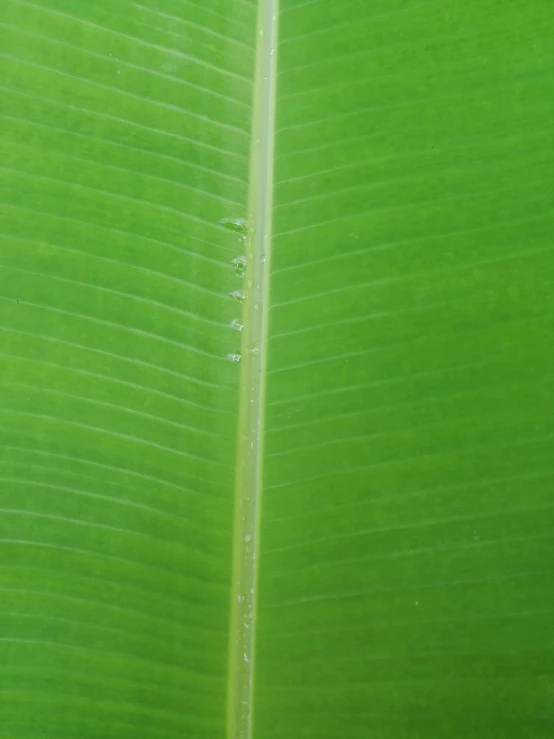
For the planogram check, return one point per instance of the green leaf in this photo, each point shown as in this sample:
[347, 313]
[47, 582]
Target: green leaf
[276, 419]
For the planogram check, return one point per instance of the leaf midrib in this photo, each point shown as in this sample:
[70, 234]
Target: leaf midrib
[248, 479]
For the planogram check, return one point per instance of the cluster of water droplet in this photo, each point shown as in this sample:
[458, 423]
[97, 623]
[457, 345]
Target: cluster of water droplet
[238, 226]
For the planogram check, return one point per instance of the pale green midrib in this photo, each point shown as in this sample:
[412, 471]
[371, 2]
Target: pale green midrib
[248, 480]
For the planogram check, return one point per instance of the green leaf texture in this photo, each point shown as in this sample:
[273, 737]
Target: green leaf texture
[394, 288]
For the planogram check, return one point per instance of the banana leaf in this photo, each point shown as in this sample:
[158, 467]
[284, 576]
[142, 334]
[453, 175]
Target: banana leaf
[276, 369]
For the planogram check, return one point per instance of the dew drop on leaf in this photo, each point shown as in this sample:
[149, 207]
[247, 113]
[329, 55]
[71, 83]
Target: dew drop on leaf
[237, 225]
[239, 263]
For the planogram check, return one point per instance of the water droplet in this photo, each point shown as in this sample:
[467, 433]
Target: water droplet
[255, 350]
[245, 656]
[238, 225]
[272, 52]
[233, 357]
[238, 295]
[239, 263]
[250, 283]
[263, 259]
[237, 325]
[251, 591]
[240, 598]
[417, 602]
[248, 539]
